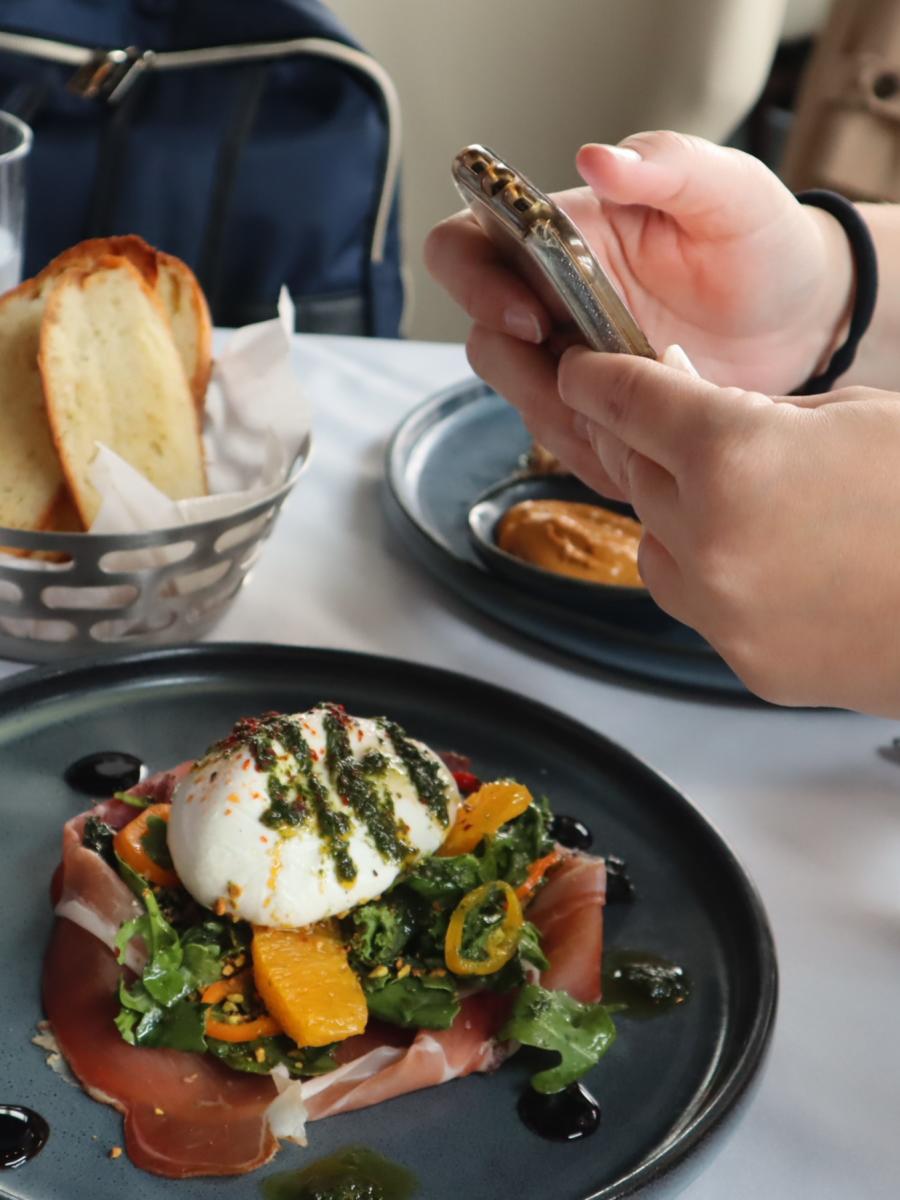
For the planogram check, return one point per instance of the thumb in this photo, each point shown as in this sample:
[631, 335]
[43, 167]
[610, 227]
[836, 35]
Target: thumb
[708, 189]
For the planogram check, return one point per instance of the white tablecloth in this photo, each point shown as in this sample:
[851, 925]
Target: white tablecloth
[805, 799]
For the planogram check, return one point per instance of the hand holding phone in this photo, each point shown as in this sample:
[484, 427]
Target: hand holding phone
[539, 242]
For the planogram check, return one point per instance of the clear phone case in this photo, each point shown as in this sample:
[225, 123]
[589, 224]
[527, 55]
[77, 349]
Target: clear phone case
[544, 246]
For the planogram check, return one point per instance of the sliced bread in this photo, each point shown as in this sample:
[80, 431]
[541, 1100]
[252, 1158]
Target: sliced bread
[111, 373]
[175, 284]
[31, 477]
[30, 472]
[188, 312]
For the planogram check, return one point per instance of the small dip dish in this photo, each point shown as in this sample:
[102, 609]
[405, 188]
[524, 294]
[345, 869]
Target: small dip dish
[487, 513]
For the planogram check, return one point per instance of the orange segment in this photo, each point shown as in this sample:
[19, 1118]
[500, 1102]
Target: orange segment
[307, 983]
[484, 812]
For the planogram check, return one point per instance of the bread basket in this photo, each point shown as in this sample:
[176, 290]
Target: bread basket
[90, 593]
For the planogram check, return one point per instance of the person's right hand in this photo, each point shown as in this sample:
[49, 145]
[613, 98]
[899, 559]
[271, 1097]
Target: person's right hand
[709, 249]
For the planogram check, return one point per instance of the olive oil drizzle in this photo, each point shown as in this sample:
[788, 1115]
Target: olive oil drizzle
[350, 780]
[424, 772]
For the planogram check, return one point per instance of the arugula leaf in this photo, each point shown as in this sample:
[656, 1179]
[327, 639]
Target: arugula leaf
[143, 1022]
[134, 801]
[202, 962]
[580, 1033]
[154, 843]
[163, 976]
[514, 974]
[530, 947]
[241, 1056]
[445, 878]
[310, 1060]
[508, 853]
[418, 1001]
[131, 878]
[98, 836]
[180, 1026]
[381, 930]
[161, 1008]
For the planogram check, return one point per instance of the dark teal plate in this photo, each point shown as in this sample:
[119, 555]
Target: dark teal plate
[665, 1087]
[446, 454]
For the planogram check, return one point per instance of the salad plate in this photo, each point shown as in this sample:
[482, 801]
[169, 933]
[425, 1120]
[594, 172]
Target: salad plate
[667, 1088]
[451, 451]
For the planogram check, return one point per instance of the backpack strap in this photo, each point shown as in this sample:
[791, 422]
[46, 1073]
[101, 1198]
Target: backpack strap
[210, 258]
[110, 160]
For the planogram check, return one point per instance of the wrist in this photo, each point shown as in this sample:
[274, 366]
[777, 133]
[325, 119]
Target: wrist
[831, 314]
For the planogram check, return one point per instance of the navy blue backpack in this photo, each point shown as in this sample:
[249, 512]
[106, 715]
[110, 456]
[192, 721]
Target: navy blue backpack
[252, 138]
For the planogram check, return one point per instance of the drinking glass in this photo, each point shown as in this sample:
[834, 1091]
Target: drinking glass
[15, 143]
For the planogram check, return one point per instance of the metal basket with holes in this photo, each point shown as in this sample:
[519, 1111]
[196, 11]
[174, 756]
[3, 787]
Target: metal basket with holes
[65, 594]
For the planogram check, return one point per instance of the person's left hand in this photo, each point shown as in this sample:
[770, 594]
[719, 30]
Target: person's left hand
[772, 525]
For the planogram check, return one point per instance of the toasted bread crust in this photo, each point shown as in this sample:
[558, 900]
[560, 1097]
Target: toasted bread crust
[138, 393]
[191, 321]
[177, 287]
[92, 250]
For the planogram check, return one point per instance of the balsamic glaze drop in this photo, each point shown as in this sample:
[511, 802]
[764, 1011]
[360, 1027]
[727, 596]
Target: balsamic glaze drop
[23, 1133]
[571, 833]
[563, 1116]
[103, 773]
[619, 888]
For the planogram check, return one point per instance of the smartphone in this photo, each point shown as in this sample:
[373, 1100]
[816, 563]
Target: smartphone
[538, 240]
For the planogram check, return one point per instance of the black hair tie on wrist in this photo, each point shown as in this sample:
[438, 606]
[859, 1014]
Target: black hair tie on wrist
[866, 263]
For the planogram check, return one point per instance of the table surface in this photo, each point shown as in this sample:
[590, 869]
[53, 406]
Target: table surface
[807, 800]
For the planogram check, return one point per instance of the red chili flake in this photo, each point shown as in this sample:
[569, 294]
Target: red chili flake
[245, 765]
[467, 782]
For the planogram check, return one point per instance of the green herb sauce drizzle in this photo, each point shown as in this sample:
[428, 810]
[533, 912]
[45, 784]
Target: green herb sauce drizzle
[356, 789]
[424, 772]
[296, 792]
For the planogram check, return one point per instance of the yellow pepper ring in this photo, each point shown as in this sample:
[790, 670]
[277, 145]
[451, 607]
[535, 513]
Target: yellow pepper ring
[501, 942]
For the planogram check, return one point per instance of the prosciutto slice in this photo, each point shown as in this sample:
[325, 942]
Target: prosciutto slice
[185, 1114]
[569, 915]
[434, 1056]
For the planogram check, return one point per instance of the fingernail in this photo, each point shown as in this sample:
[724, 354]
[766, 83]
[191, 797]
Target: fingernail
[624, 152]
[581, 427]
[523, 324]
[674, 356]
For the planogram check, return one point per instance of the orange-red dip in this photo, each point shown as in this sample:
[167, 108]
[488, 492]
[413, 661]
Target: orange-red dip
[581, 540]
